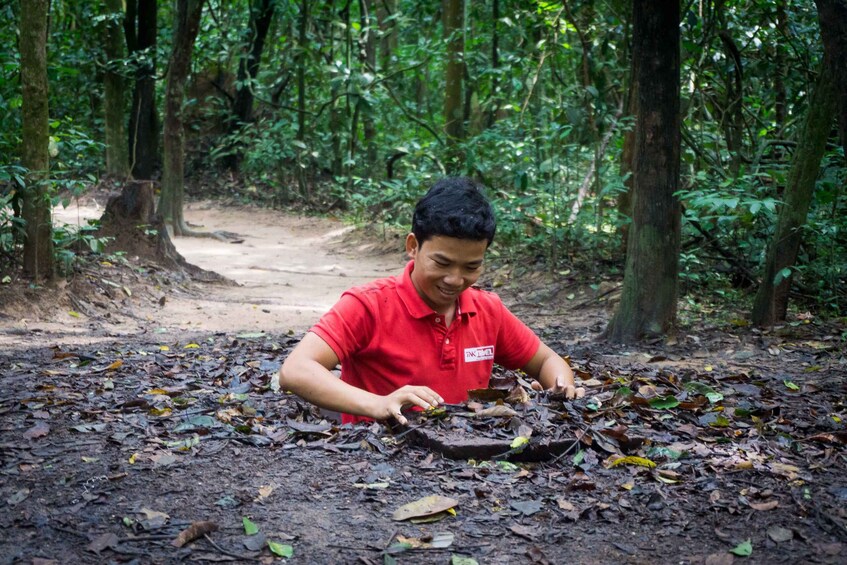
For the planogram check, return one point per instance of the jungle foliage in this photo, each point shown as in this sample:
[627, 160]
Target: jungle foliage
[348, 113]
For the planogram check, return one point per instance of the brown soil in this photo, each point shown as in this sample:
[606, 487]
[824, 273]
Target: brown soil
[138, 404]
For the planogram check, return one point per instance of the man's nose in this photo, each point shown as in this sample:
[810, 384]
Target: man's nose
[453, 277]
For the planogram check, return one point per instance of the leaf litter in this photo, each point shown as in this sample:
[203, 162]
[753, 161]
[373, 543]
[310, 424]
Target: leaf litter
[663, 461]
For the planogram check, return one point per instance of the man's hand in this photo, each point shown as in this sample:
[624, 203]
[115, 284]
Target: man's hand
[392, 405]
[561, 386]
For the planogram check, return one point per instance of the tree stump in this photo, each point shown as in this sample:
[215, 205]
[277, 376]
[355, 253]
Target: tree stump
[130, 220]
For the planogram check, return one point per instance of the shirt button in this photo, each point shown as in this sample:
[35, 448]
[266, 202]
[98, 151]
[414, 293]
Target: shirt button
[437, 320]
[447, 340]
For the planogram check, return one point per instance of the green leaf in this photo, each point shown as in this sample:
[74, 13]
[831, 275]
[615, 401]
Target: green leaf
[714, 397]
[781, 276]
[462, 560]
[250, 528]
[720, 422]
[280, 549]
[743, 549]
[790, 385]
[663, 402]
[518, 442]
[577, 459]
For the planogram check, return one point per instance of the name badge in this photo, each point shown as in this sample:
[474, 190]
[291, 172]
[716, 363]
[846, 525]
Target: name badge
[474, 354]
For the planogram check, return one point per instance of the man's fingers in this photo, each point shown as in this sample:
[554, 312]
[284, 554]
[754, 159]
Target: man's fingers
[580, 392]
[537, 386]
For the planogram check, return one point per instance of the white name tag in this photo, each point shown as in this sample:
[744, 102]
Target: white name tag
[473, 354]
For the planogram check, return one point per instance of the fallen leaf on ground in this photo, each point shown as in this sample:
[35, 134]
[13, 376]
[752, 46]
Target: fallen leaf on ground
[780, 534]
[763, 506]
[250, 528]
[194, 531]
[264, 492]
[153, 519]
[426, 506]
[743, 549]
[101, 542]
[281, 549]
[631, 460]
[40, 429]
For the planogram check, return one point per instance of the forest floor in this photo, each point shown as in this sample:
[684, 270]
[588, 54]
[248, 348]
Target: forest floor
[140, 422]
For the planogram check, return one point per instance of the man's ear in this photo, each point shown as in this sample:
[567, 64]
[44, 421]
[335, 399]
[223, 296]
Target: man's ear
[411, 245]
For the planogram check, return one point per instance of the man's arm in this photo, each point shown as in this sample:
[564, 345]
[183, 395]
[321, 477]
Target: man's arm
[552, 373]
[306, 373]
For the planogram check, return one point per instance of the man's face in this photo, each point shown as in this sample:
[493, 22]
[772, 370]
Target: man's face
[444, 267]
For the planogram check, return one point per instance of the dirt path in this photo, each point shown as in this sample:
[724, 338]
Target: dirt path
[289, 269]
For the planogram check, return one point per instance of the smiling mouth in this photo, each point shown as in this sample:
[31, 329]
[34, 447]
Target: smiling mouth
[447, 292]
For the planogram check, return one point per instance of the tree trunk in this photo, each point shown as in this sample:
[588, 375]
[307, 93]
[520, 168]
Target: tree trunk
[261, 15]
[186, 25]
[649, 298]
[771, 302]
[38, 245]
[143, 120]
[114, 93]
[732, 118]
[780, 66]
[454, 16]
[495, 63]
[388, 34]
[336, 116]
[302, 42]
[833, 18]
[369, 27]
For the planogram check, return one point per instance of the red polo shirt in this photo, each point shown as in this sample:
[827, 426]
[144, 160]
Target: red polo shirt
[386, 337]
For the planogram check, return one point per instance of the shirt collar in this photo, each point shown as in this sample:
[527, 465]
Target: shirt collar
[416, 305]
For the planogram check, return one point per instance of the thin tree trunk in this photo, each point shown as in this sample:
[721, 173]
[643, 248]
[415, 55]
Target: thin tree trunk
[388, 35]
[833, 18]
[186, 26]
[301, 90]
[369, 27]
[495, 63]
[336, 116]
[143, 120]
[454, 15]
[114, 93]
[38, 245]
[261, 16]
[649, 298]
[771, 302]
[732, 117]
[779, 64]
[589, 174]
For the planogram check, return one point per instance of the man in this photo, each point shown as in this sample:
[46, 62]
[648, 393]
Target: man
[424, 337]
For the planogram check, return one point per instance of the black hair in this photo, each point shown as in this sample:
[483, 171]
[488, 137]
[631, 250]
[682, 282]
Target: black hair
[454, 207]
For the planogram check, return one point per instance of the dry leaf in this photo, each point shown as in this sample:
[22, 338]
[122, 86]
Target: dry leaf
[426, 506]
[194, 531]
[496, 412]
[40, 429]
[763, 506]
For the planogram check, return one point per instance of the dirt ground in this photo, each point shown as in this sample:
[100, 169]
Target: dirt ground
[140, 422]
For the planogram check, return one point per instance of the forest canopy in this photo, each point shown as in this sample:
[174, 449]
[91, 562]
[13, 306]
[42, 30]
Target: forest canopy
[358, 106]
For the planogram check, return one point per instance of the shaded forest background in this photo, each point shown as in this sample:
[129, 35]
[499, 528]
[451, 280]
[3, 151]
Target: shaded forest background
[582, 119]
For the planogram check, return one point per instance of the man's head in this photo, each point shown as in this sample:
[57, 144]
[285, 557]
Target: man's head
[452, 227]
[454, 207]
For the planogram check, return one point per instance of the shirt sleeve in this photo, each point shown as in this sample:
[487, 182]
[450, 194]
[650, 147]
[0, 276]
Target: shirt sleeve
[516, 343]
[347, 327]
